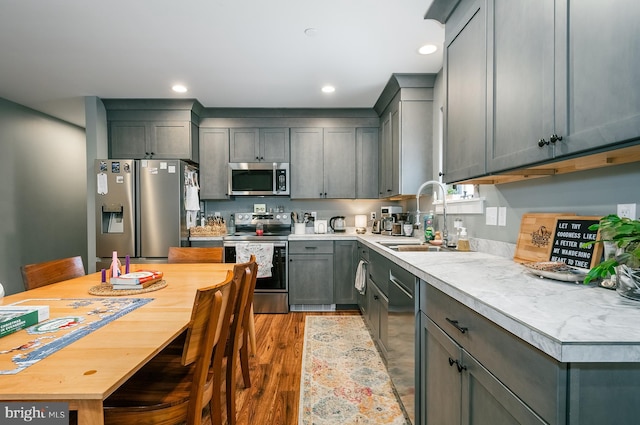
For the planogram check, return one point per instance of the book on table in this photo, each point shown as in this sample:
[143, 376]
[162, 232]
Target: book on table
[14, 317]
[136, 280]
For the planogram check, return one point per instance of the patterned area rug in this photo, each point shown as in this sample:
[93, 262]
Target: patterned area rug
[344, 380]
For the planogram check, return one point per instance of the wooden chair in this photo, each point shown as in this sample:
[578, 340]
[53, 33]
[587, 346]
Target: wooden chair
[46, 273]
[195, 254]
[208, 255]
[178, 383]
[238, 343]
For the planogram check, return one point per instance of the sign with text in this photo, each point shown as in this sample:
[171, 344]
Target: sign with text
[570, 234]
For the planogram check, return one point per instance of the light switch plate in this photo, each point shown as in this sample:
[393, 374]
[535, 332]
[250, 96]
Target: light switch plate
[491, 216]
[502, 216]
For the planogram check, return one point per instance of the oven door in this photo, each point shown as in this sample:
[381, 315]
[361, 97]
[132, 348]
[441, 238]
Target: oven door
[272, 293]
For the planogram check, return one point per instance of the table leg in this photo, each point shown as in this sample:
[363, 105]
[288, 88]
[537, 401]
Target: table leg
[90, 412]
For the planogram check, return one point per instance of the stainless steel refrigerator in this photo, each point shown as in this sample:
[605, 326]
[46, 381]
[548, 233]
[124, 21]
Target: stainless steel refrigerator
[140, 207]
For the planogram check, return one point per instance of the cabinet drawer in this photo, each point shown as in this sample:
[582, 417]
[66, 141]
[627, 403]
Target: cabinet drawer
[311, 247]
[363, 252]
[533, 376]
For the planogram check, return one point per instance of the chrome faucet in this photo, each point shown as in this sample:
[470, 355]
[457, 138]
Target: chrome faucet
[445, 233]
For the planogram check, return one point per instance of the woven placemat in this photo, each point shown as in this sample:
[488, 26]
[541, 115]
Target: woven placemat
[106, 289]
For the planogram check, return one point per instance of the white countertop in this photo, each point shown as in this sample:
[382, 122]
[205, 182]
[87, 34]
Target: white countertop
[570, 322]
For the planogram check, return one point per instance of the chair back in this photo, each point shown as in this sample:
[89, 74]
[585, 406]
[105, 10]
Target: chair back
[209, 318]
[195, 254]
[246, 273]
[48, 272]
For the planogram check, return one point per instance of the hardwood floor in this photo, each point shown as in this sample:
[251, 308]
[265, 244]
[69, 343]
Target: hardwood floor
[274, 394]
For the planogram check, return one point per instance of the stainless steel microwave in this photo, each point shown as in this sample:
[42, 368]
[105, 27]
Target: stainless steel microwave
[259, 179]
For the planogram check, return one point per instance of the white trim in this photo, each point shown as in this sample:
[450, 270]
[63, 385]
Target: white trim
[461, 206]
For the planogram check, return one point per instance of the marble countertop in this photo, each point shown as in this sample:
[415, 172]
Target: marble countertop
[570, 322]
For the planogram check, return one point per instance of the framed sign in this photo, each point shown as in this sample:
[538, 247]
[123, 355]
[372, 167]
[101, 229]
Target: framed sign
[570, 233]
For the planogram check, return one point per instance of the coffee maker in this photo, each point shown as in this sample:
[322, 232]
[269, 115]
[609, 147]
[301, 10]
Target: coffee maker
[388, 218]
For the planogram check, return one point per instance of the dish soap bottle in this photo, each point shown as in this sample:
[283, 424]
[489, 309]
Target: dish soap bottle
[463, 242]
[429, 233]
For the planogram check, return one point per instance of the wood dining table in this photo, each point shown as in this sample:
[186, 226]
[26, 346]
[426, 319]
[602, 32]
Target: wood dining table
[87, 371]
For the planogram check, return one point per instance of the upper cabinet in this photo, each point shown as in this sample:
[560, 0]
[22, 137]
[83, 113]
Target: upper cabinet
[405, 108]
[259, 145]
[323, 163]
[367, 148]
[158, 129]
[214, 163]
[529, 83]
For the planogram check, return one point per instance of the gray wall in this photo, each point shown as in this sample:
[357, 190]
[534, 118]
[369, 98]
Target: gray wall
[43, 191]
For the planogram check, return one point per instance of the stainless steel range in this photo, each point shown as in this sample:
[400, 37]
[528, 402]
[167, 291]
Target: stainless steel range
[272, 293]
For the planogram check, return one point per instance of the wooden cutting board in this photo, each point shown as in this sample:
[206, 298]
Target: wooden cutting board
[536, 235]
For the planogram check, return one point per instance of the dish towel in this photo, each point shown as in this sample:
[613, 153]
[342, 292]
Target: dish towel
[361, 277]
[191, 198]
[263, 253]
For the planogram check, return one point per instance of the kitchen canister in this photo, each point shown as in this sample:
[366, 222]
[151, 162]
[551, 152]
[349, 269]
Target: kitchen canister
[299, 228]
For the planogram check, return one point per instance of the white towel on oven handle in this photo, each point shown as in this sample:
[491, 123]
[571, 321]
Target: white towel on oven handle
[263, 253]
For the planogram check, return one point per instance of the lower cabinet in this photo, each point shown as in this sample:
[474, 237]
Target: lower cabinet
[311, 272]
[344, 273]
[474, 372]
[377, 317]
[459, 390]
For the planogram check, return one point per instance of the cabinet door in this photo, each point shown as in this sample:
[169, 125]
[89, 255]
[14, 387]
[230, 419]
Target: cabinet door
[243, 145]
[367, 163]
[344, 261]
[340, 163]
[395, 151]
[306, 163]
[128, 140]
[214, 163]
[311, 279]
[441, 381]
[521, 80]
[601, 104]
[274, 144]
[170, 140]
[385, 184]
[485, 400]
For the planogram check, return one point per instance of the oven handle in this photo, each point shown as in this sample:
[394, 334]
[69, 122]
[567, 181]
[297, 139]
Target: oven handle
[234, 243]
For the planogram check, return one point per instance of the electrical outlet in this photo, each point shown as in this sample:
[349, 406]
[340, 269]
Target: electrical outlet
[314, 214]
[627, 210]
[373, 215]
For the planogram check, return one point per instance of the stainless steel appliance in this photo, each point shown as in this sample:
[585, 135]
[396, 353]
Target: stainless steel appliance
[402, 336]
[272, 293]
[140, 207]
[388, 218]
[376, 227]
[258, 179]
[390, 210]
[338, 223]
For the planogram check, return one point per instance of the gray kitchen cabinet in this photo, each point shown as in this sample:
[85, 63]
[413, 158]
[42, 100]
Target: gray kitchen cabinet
[535, 96]
[481, 367]
[214, 163]
[345, 254]
[311, 272]
[465, 120]
[598, 103]
[377, 316]
[367, 154]
[259, 145]
[363, 255]
[158, 128]
[323, 163]
[406, 118]
[522, 78]
[153, 139]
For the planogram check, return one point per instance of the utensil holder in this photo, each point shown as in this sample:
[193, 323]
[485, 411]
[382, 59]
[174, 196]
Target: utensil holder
[299, 228]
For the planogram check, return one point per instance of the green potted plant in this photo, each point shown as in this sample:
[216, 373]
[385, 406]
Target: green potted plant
[624, 234]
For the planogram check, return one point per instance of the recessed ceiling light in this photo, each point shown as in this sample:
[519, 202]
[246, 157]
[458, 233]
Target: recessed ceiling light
[328, 89]
[179, 88]
[427, 49]
[310, 32]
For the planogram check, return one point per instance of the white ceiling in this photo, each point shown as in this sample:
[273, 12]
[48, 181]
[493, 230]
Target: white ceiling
[230, 53]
